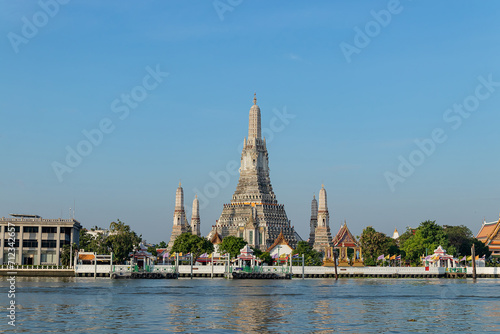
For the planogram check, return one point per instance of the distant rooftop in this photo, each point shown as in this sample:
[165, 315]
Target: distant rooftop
[17, 215]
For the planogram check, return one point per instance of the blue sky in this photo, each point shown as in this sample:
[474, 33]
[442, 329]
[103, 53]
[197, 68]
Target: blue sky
[351, 118]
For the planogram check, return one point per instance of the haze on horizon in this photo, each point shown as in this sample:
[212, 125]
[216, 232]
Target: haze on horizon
[392, 105]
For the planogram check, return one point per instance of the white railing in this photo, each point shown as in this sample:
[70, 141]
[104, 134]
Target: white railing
[296, 270]
[34, 267]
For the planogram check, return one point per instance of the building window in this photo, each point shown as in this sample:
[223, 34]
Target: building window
[9, 229]
[49, 257]
[64, 242]
[6, 243]
[49, 229]
[241, 234]
[66, 230]
[260, 238]
[250, 236]
[49, 243]
[30, 229]
[30, 243]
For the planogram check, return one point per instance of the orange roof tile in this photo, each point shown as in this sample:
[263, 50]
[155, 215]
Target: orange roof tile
[486, 230]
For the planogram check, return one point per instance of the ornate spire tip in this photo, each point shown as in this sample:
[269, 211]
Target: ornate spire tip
[254, 98]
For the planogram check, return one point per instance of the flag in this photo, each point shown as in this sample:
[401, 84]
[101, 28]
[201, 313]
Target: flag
[398, 257]
[388, 256]
[274, 256]
[381, 257]
[463, 259]
[296, 256]
[469, 257]
[484, 257]
[477, 257]
[393, 257]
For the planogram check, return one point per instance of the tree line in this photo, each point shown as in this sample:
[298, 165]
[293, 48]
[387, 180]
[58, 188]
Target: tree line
[422, 241]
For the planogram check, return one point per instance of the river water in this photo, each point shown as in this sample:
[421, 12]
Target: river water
[83, 305]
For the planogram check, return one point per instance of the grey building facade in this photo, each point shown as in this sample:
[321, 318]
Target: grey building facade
[37, 241]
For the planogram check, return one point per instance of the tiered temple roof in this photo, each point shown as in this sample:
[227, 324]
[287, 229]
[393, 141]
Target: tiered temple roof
[490, 236]
[345, 238]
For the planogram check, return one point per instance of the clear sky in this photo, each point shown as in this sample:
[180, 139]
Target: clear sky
[345, 89]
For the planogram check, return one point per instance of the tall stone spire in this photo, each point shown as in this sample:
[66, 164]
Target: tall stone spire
[254, 213]
[180, 224]
[195, 217]
[314, 220]
[322, 234]
[179, 202]
[323, 215]
[254, 126]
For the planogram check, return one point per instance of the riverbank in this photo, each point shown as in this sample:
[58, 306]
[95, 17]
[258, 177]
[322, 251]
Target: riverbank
[218, 271]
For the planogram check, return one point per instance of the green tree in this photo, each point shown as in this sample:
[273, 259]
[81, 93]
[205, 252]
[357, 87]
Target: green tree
[121, 240]
[480, 248]
[66, 257]
[232, 245]
[266, 258]
[85, 239]
[428, 236]
[162, 244]
[311, 256]
[191, 243]
[460, 237]
[374, 244]
[97, 244]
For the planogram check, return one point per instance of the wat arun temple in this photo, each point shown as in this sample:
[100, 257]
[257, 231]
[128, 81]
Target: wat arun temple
[254, 213]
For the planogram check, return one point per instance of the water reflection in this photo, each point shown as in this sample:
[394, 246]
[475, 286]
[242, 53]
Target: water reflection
[315, 305]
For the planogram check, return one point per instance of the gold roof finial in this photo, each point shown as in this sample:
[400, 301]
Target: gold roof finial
[255, 98]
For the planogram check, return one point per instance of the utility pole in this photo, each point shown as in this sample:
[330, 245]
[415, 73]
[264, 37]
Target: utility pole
[303, 266]
[335, 263]
[191, 265]
[473, 261]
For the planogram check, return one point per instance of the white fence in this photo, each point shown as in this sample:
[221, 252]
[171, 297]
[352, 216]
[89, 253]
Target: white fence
[296, 270]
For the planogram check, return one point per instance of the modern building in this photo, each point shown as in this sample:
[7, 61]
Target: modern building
[37, 241]
[254, 212]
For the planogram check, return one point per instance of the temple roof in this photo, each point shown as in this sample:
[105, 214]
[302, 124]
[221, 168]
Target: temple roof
[216, 238]
[345, 238]
[489, 235]
[280, 240]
